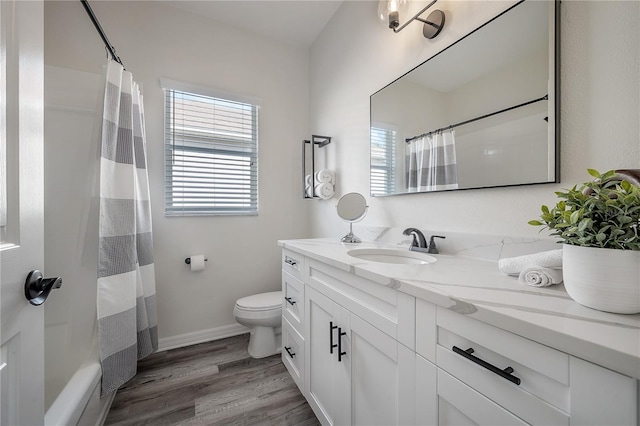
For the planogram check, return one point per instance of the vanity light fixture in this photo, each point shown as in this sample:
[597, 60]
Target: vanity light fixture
[391, 10]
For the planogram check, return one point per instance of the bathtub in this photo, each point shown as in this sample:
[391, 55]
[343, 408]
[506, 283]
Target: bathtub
[79, 401]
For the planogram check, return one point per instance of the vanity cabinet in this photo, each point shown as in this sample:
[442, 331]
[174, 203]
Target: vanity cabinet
[366, 353]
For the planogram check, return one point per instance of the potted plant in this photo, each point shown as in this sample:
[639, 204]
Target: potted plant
[599, 224]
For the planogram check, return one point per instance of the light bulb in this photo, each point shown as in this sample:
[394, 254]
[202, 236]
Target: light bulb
[389, 11]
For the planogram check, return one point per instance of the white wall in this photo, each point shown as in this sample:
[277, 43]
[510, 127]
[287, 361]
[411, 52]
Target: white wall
[154, 41]
[600, 105]
[72, 115]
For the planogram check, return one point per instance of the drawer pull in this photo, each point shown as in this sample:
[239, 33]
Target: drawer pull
[291, 301]
[341, 353]
[506, 373]
[331, 344]
[290, 261]
[288, 349]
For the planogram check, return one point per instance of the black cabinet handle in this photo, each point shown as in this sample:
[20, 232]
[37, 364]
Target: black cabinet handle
[506, 373]
[331, 344]
[288, 349]
[340, 352]
[291, 301]
[290, 261]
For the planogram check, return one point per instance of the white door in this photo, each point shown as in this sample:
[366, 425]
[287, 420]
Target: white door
[21, 210]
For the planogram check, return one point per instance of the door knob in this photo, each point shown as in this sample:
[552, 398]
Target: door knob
[37, 288]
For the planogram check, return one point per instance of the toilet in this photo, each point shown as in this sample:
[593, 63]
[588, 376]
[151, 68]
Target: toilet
[262, 313]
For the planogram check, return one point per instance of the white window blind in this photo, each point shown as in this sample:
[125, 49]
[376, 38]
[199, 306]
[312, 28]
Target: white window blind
[383, 163]
[211, 155]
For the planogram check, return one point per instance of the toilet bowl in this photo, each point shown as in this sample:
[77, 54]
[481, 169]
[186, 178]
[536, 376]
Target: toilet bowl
[262, 313]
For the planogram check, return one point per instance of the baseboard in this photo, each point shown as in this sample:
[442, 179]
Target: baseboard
[105, 407]
[193, 338]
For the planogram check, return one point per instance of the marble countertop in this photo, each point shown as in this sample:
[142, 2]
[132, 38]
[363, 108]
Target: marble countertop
[476, 287]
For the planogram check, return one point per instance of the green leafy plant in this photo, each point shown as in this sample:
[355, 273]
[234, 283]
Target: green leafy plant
[602, 213]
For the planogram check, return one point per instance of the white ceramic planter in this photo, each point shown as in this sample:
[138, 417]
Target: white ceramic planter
[603, 279]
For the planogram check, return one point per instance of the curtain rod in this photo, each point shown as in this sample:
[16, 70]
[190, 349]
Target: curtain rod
[544, 98]
[96, 23]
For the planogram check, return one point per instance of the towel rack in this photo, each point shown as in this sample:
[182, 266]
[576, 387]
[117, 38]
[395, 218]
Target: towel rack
[316, 141]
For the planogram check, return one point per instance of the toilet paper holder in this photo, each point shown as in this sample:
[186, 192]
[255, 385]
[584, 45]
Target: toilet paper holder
[188, 260]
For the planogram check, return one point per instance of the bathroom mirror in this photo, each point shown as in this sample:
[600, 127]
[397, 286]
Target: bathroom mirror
[480, 113]
[351, 207]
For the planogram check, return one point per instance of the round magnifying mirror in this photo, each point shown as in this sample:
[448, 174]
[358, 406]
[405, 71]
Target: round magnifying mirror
[352, 207]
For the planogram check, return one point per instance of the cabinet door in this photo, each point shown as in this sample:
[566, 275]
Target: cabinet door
[375, 375]
[326, 378]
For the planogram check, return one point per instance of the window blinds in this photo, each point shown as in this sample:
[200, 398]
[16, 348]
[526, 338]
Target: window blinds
[211, 155]
[382, 161]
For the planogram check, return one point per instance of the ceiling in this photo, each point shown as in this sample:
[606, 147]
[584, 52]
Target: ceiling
[295, 22]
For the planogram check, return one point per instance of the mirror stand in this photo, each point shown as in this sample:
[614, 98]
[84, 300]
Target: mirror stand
[351, 207]
[350, 238]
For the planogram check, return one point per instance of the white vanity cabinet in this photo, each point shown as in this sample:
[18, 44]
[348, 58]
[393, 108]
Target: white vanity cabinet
[366, 354]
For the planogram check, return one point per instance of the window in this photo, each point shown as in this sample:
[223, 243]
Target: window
[211, 155]
[383, 170]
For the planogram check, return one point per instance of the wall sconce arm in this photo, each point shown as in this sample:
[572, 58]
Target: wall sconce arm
[416, 16]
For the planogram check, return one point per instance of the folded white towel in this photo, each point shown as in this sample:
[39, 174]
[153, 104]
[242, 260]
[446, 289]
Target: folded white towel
[308, 189]
[540, 276]
[324, 176]
[307, 180]
[324, 190]
[515, 265]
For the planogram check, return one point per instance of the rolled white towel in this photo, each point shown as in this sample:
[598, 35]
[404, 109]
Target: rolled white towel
[324, 176]
[324, 190]
[515, 265]
[308, 189]
[308, 180]
[539, 276]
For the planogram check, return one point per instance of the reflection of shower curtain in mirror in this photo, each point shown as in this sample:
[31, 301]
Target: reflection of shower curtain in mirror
[431, 163]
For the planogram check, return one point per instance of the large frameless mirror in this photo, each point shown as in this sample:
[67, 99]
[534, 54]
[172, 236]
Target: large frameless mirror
[481, 113]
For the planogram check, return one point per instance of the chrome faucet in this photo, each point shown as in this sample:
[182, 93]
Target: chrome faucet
[418, 243]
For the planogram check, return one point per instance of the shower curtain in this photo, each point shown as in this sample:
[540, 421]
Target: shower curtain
[431, 163]
[127, 322]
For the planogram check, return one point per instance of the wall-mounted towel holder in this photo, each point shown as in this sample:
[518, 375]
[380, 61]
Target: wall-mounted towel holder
[316, 141]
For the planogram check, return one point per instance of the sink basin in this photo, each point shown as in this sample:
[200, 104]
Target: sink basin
[382, 255]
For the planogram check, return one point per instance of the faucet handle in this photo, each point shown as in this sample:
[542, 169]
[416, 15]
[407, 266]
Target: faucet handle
[432, 244]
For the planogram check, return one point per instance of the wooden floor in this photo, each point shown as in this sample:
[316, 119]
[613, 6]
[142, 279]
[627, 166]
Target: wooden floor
[214, 383]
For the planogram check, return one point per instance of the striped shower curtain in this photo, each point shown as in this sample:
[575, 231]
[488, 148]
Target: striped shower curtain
[127, 323]
[431, 163]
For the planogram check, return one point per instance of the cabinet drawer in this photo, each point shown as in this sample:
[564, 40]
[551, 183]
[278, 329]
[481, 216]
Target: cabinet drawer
[293, 353]
[293, 300]
[458, 404]
[293, 263]
[542, 395]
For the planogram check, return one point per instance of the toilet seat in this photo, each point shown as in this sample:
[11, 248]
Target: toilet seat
[261, 302]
